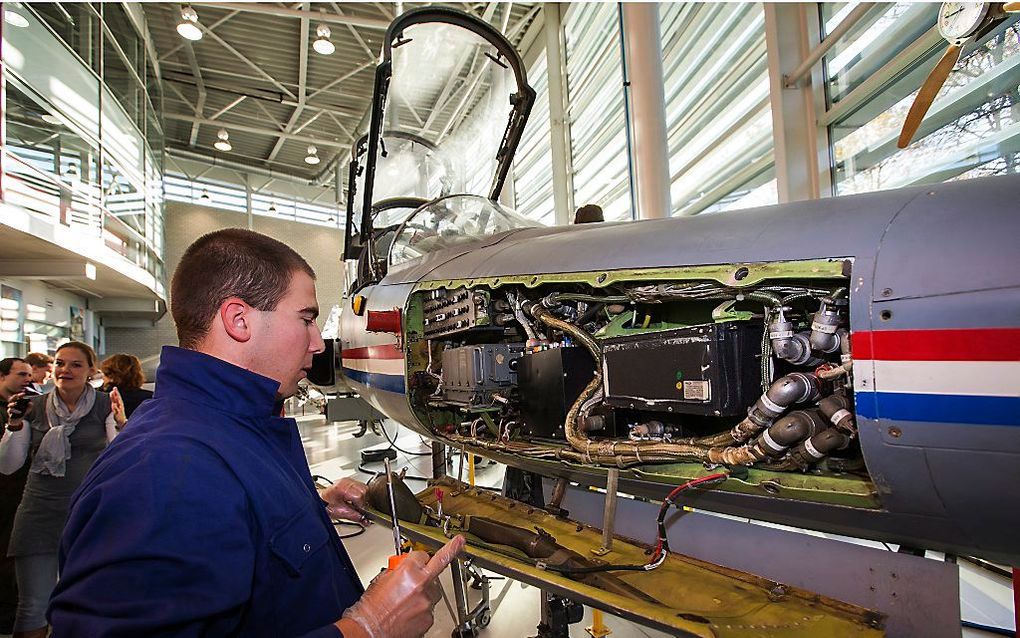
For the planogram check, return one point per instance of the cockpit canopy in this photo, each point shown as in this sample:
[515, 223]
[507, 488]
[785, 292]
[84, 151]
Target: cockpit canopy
[451, 101]
[451, 221]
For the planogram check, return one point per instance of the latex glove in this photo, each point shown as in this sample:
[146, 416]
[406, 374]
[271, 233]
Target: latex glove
[14, 416]
[399, 603]
[345, 499]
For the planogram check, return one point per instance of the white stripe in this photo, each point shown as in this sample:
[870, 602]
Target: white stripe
[811, 449]
[769, 441]
[864, 375]
[973, 378]
[767, 402]
[376, 366]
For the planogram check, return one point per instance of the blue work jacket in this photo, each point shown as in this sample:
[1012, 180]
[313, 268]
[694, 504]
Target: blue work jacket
[201, 519]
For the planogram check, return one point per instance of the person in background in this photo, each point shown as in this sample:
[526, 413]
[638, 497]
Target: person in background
[15, 376]
[124, 372]
[58, 436]
[42, 368]
[202, 518]
[589, 213]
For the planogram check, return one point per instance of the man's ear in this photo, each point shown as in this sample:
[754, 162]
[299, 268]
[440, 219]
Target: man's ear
[236, 317]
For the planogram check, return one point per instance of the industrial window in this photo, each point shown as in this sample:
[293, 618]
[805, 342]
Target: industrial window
[214, 194]
[533, 178]
[718, 115]
[598, 128]
[873, 74]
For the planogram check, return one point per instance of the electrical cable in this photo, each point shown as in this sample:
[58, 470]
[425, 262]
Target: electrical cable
[365, 470]
[662, 544]
[359, 532]
[393, 443]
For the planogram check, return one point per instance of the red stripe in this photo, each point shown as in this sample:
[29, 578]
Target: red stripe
[390, 351]
[975, 344]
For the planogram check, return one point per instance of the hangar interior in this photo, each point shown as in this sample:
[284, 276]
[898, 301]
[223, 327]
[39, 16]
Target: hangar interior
[132, 129]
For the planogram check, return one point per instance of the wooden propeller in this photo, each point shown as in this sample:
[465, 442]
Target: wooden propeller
[927, 94]
[933, 83]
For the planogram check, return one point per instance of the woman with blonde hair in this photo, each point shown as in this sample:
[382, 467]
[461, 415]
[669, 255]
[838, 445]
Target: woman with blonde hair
[67, 429]
[124, 372]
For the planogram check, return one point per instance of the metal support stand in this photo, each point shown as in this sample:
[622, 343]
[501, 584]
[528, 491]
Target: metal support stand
[469, 622]
[609, 513]
[557, 616]
[555, 502]
[438, 459]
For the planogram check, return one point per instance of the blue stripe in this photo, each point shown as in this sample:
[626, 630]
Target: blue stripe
[387, 382]
[939, 408]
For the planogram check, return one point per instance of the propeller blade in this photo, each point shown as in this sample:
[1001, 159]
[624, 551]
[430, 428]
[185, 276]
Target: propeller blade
[927, 94]
[1011, 7]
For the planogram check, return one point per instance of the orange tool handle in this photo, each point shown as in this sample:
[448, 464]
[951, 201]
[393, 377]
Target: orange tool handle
[395, 560]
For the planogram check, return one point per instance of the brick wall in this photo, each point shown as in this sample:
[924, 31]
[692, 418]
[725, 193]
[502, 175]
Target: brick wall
[185, 223]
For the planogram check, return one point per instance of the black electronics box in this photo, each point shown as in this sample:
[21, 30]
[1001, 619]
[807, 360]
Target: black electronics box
[377, 456]
[712, 369]
[549, 382]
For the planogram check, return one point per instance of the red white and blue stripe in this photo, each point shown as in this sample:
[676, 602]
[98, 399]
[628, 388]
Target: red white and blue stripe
[939, 376]
[378, 367]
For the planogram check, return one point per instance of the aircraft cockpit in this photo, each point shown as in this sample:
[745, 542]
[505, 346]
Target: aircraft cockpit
[451, 221]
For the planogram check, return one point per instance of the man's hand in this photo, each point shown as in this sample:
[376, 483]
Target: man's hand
[345, 499]
[399, 603]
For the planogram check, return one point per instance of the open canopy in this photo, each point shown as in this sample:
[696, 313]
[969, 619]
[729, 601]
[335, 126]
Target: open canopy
[451, 100]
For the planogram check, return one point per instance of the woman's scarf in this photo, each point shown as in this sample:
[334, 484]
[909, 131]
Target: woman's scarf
[55, 448]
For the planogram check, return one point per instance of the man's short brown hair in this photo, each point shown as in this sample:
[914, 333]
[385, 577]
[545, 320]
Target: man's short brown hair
[38, 359]
[229, 263]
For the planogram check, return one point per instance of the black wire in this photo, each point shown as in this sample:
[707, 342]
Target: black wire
[361, 529]
[393, 443]
[595, 569]
[1000, 631]
[365, 470]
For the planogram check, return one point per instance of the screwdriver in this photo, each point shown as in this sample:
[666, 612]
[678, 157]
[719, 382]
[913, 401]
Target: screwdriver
[398, 555]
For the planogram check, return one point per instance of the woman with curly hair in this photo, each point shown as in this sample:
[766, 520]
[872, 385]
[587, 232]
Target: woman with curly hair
[124, 372]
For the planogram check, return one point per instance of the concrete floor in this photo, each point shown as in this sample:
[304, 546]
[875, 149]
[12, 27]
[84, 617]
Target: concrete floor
[333, 452]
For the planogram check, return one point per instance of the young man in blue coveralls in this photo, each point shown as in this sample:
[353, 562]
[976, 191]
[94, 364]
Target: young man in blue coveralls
[201, 518]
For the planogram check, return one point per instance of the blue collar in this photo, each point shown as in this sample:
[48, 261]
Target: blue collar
[206, 380]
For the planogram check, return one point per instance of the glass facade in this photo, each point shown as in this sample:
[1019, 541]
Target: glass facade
[206, 192]
[83, 143]
[533, 173]
[873, 74]
[597, 113]
[718, 113]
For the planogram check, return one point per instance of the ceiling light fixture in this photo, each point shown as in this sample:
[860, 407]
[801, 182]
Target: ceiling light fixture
[188, 26]
[322, 42]
[205, 195]
[223, 141]
[51, 119]
[272, 208]
[15, 19]
[313, 157]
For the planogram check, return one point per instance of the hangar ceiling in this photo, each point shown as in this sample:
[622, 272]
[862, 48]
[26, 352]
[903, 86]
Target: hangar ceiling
[255, 74]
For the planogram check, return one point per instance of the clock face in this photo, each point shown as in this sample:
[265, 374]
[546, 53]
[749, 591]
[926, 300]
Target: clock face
[959, 20]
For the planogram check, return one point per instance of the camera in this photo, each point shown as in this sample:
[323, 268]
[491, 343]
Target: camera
[21, 405]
